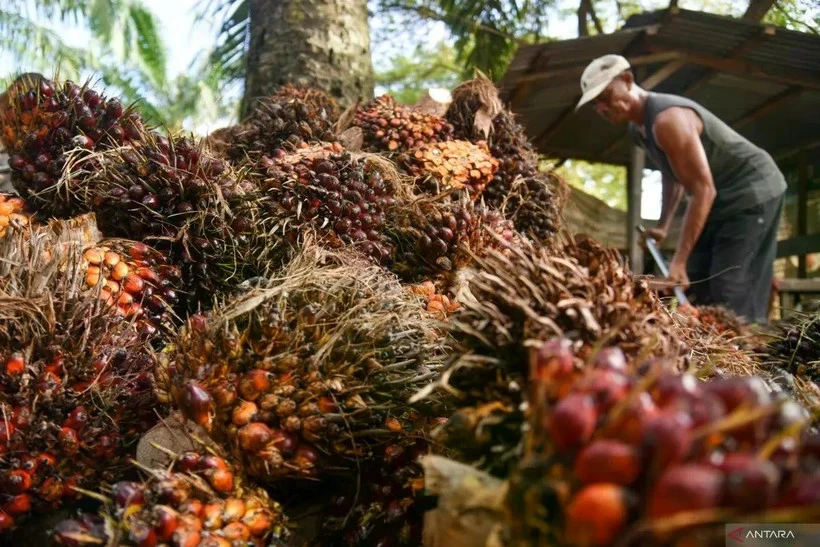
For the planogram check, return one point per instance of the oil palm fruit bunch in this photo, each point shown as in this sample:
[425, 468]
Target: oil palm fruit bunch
[618, 451]
[534, 204]
[477, 113]
[452, 165]
[135, 280]
[795, 346]
[293, 117]
[75, 394]
[42, 120]
[388, 126]
[13, 213]
[200, 501]
[341, 196]
[155, 187]
[387, 509]
[579, 289]
[298, 379]
[433, 235]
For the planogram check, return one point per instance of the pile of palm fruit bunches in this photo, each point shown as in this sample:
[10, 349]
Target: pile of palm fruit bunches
[324, 311]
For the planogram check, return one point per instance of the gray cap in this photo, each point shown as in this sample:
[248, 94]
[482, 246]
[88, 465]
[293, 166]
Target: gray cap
[599, 74]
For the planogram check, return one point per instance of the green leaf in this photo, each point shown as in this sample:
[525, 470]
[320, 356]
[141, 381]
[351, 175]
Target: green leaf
[150, 49]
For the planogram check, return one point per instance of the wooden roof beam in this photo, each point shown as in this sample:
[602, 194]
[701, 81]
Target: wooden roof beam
[662, 74]
[742, 68]
[637, 60]
[768, 105]
[748, 45]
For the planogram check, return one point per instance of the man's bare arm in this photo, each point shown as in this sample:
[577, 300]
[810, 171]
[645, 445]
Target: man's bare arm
[677, 132]
[672, 195]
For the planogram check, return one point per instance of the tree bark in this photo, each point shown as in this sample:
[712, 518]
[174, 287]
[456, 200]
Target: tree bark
[757, 10]
[323, 43]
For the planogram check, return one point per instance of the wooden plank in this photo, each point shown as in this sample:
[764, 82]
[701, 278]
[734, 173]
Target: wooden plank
[802, 207]
[737, 66]
[768, 105]
[575, 154]
[745, 47]
[797, 246]
[793, 285]
[638, 60]
[634, 177]
[662, 74]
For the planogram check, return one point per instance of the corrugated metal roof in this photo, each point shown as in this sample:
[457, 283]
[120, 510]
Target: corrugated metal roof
[732, 67]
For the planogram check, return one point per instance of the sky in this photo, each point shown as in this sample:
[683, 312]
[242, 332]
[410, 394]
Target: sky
[185, 39]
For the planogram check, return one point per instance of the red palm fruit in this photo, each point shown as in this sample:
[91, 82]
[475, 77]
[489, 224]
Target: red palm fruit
[254, 383]
[51, 489]
[689, 487]
[214, 541]
[15, 364]
[672, 387]
[212, 516]
[69, 440]
[197, 404]
[221, 480]
[606, 387]
[166, 521]
[666, 440]
[237, 532]
[29, 464]
[212, 461]
[258, 522]
[608, 461]
[77, 418]
[254, 436]
[187, 461]
[284, 441]
[232, 510]
[46, 460]
[628, 425]
[554, 359]
[804, 491]
[749, 483]
[610, 359]
[244, 413]
[597, 514]
[141, 534]
[15, 482]
[125, 493]
[186, 537]
[736, 391]
[18, 505]
[573, 421]
[6, 522]
[191, 507]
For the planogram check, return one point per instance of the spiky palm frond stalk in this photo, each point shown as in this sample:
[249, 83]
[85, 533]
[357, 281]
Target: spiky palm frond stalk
[200, 500]
[304, 377]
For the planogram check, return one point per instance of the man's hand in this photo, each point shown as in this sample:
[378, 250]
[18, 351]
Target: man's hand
[677, 273]
[658, 234]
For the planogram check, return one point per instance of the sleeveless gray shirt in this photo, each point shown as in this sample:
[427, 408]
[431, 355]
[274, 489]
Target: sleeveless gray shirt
[744, 175]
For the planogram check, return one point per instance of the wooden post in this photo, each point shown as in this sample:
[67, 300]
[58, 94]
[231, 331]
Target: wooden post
[634, 177]
[802, 207]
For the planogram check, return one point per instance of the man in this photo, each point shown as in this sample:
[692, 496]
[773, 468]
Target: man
[729, 235]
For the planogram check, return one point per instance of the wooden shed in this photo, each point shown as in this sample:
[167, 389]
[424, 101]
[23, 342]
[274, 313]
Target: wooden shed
[763, 80]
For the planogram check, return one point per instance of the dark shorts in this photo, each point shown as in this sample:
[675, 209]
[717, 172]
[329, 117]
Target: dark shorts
[733, 261]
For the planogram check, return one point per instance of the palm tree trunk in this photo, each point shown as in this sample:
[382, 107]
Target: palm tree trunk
[323, 43]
